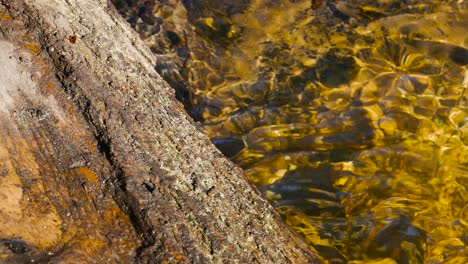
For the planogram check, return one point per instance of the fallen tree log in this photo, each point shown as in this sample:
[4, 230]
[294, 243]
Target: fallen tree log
[87, 124]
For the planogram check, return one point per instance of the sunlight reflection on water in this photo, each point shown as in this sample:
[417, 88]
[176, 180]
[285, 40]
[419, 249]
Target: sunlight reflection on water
[349, 116]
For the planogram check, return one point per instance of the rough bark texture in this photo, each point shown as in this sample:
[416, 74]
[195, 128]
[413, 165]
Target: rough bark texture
[87, 124]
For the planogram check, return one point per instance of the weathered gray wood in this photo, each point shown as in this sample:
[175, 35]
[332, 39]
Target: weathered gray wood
[186, 201]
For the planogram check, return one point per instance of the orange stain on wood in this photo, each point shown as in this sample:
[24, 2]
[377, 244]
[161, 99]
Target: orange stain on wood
[89, 174]
[5, 16]
[49, 87]
[72, 39]
[33, 48]
[91, 146]
[179, 257]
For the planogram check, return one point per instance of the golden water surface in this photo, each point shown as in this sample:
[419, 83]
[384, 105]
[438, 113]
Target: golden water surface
[350, 116]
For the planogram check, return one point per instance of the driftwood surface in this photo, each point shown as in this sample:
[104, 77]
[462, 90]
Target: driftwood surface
[99, 163]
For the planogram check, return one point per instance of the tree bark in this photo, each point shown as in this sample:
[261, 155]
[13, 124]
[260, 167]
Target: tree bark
[100, 163]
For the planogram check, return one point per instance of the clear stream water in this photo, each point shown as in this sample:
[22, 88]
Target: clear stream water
[351, 117]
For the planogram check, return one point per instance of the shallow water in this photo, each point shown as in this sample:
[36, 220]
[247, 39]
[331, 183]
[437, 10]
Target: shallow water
[350, 116]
